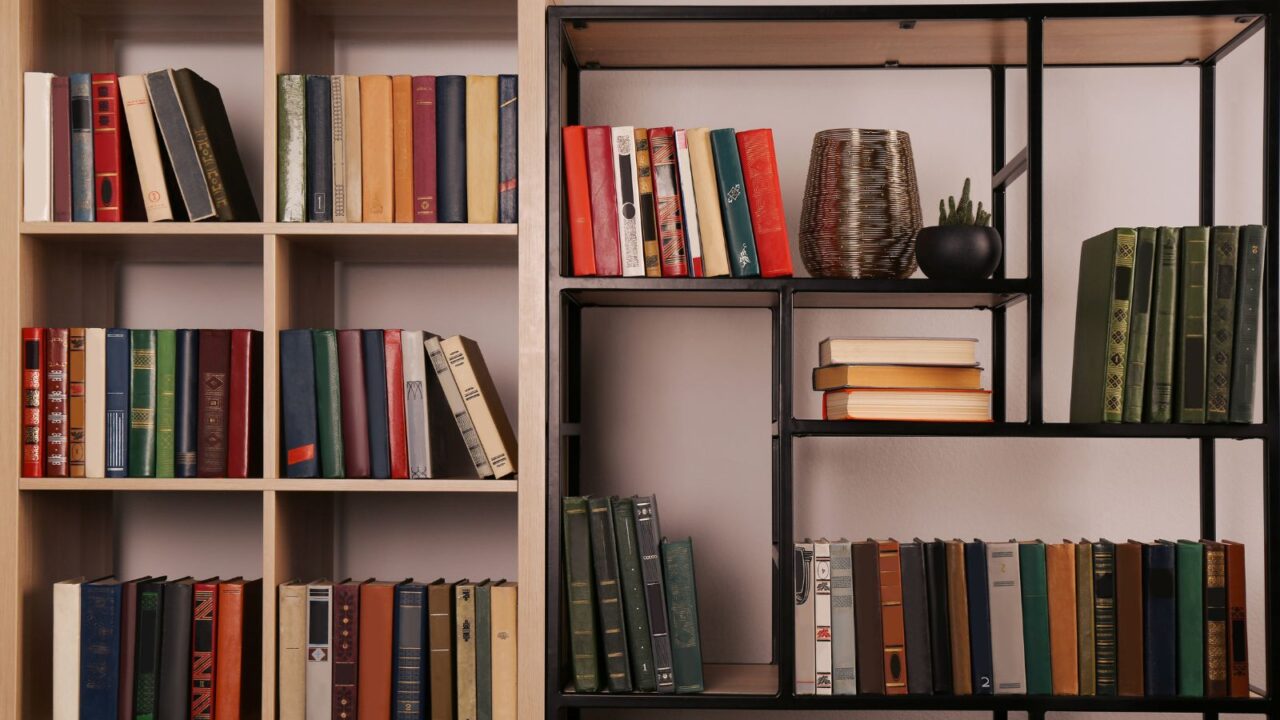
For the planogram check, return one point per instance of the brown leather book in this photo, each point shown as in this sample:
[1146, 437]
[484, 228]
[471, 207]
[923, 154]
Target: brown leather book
[868, 630]
[1237, 630]
[239, 656]
[215, 389]
[377, 612]
[958, 615]
[1129, 664]
[128, 643]
[355, 418]
[1216, 670]
[891, 618]
[440, 646]
[1060, 567]
[376, 165]
[1086, 639]
[402, 146]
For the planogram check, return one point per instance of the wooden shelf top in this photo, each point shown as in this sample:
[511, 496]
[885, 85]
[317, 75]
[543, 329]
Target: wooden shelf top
[259, 485]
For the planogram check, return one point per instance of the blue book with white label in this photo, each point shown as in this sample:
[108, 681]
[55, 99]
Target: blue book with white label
[119, 367]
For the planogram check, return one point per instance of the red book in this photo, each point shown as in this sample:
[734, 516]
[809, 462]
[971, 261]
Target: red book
[424, 148]
[346, 650]
[108, 165]
[211, 419]
[61, 150]
[204, 643]
[355, 423]
[244, 451]
[395, 404]
[666, 196]
[604, 201]
[577, 190]
[33, 402]
[764, 198]
[56, 389]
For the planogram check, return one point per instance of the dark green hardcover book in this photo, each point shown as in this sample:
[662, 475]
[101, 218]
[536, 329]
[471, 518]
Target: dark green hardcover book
[166, 400]
[1104, 616]
[1139, 324]
[741, 241]
[1164, 326]
[328, 402]
[637, 615]
[580, 588]
[1035, 617]
[484, 651]
[1244, 361]
[1189, 570]
[682, 608]
[142, 403]
[1223, 247]
[146, 664]
[613, 626]
[1189, 385]
[1102, 326]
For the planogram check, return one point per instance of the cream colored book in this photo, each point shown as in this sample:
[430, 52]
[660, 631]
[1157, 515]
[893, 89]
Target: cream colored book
[292, 653]
[464, 643]
[37, 146]
[502, 638]
[955, 352]
[466, 364]
[95, 402]
[715, 258]
[66, 649]
[146, 147]
[338, 145]
[319, 678]
[482, 148]
[351, 124]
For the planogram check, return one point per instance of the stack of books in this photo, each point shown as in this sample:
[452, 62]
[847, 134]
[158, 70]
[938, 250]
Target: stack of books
[882, 378]
[127, 403]
[364, 649]
[663, 202]
[1167, 325]
[136, 147]
[633, 604]
[1072, 618]
[378, 148]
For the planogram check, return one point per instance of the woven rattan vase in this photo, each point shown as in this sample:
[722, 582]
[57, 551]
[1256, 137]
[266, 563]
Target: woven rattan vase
[861, 205]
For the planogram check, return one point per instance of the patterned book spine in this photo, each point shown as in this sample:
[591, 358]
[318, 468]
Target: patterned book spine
[424, 148]
[648, 534]
[734, 205]
[346, 644]
[413, 358]
[689, 205]
[666, 190]
[625, 184]
[1104, 616]
[822, 617]
[1086, 645]
[409, 668]
[1249, 261]
[1193, 325]
[166, 388]
[75, 401]
[291, 134]
[82, 194]
[508, 142]
[1139, 324]
[581, 594]
[464, 641]
[146, 674]
[891, 618]
[117, 402]
[99, 650]
[319, 674]
[1215, 619]
[1158, 394]
[844, 674]
[1118, 332]
[215, 359]
[648, 211]
[204, 638]
[1223, 250]
[142, 403]
[355, 148]
[764, 197]
[682, 604]
[338, 137]
[32, 402]
[108, 155]
[604, 558]
[804, 652]
[55, 402]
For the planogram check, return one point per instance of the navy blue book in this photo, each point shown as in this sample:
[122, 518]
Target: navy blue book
[1160, 619]
[508, 143]
[187, 373]
[375, 394]
[119, 367]
[298, 404]
[99, 649]
[409, 653]
[319, 149]
[975, 572]
[451, 147]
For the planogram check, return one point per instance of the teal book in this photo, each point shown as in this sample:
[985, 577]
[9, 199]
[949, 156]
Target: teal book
[1035, 617]
[1244, 361]
[142, 403]
[1189, 571]
[1224, 244]
[639, 647]
[1193, 326]
[1158, 396]
[328, 403]
[1102, 326]
[484, 650]
[580, 591]
[682, 609]
[166, 401]
[1139, 325]
[734, 211]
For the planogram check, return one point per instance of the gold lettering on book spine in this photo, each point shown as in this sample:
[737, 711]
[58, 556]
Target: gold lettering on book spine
[1118, 338]
[1215, 571]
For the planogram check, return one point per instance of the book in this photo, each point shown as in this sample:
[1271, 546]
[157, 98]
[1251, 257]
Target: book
[33, 415]
[291, 148]
[689, 206]
[108, 149]
[1060, 572]
[319, 137]
[145, 144]
[631, 579]
[482, 148]
[822, 616]
[462, 416]
[508, 143]
[672, 253]
[142, 403]
[37, 147]
[239, 654]
[244, 414]
[1189, 572]
[424, 148]
[1104, 616]
[648, 538]
[915, 619]
[128, 646]
[186, 402]
[214, 368]
[1139, 324]
[951, 352]
[1192, 333]
[706, 194]
[869, 633]
[1158, 393]
[451, 147]
[1102, 326]
[734, 205]
[1237, 629]
[805, 669]
[764, 198]
[99, 649]
[466, 363]
[338, 146]
[1244, 359]
[1033, 577]
[935, 565]
[319, 673]
[644, 189]
[417, 416]
[166, 396]
[604, 199]
[204, 648]
[402, 147]
[215, 145]
[505, 649]
[180, 146]
[373, 348]
[117, 430]
[66, 649]
[174, 695]
[376, 629]
[464, 640]
[1130, 675]
[844, 670]
[929, 404]
[1159, 619]
[580, 593]
[76, 369]
[835, 377]
[1008, 654]
[891, 618]
[682, 609]
[394, 364]
[408, 666]
[291, 654]
[345, 635]
[1216, 621]
[355, 418]
[577, 190]
[328, 400]
[377, 168]
[440, 614]
[484, 651]
[60, 138]
[622, 140]
[56, 389]
[95, 402]
[958, 619]
[354, 148]
[604, 562]
[981, 608]
[1224, 245]
[146, 671]
[82, 194]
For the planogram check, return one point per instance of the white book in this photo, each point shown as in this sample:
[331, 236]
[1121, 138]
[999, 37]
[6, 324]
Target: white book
[351, 104]
[66, 649]
[146, 147]
[822, 616]
[844, 635]
[1008, 654]
[689, 202]
[319, 650]
[95, 402]
[497, 438]
[338, 145]
[37, 147]
[458, 407]
[417, 424]
[627, 189]
[805, 651]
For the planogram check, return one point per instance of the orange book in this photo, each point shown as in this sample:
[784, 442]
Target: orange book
[376, 177]
[1060, 566]
[402, 145]
[377, 610]
[1237, 630]
[834, 377]
[578, 196]
[891, 618]
[239, 657]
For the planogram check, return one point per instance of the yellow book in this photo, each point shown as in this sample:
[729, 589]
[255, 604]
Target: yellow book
[377, 181]
[505, 659]
[482, 148]
[715, 258]
[402, 142]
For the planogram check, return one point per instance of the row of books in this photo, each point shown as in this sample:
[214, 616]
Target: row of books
[148, 147]
[663, 202]
[885, 378]
[390, 404]
[1167, 325]
[1086, 618]
[374, 649]
[632, 600]
[157, 648]
[378, 148]
[141, 403]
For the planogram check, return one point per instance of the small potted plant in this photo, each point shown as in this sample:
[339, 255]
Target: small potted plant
[963, 245]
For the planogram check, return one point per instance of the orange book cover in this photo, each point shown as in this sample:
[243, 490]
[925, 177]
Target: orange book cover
[402, 146]
[376, 173]
[1237, 630]
[891, 618]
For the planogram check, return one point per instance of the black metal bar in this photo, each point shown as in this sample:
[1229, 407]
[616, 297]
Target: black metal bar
[1006, 174]
[999, 340]
[1208, 490]
[1271, 346]
[784, 512]
[1035, 215]
[999, 715]
[1207, 142]
[1235, 42]
[553, 612]
[884, 428]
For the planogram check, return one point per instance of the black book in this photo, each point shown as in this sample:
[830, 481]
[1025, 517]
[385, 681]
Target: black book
[216, 147]
[186, 400]
[604, 558]
[649, 540]
[319, 149]
[408, 660]
[146, 663]
[935, 570]
[1249, 262]
[975, 571]
[915, 618]
[298, 404]
[179, 145]
[375, 393]
[175, 650]
[451, 147]
[508, 135]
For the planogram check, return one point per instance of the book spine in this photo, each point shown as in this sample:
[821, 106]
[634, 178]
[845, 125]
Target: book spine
[915, 612]
[1158, 395]
[211, 444]
[451, 147]
[1035, 618]
[1189, 571]
[118, 370]
[1008, 654]
[166, 397]
[99, 651]
[891, 618]
[76, 368]
[869, 640]
[492, 427]
[578, 199]
[377, 162]
[402, 147]
[244, 451]
[328, 403]
[707, 200]
[958, 619]
[648, 538]
[56, 360]
[639, 639]
[1104, 616]
[60, 105]
[291, 153]
[682, 606]
[734, 205]
[82, 168]
[1237, 628]
[764, 197]
[805, 666]
[1215, 620]
[505, 650]
[33, 400]
[215, 145]
[142, 403]
[319, 674]
[346, 643]
[416, 420]
[1139, 325]
[355, 420]
[622, 141]
[65, 679]
[174, 695]
[1159, 631]
[319, 139]
[424, 149]
[146, 672]
[666, 189]
[1253, 241]
[580, 590]
[141, 124]
[440, 630]
[95, 402]
[508, 143]
[186, 402]
[37, 147]
[482, 149]
[180, 145]
[292, 657]
[408, 669]
[204, 635]
[935, 563]
[1193, 325]
[821, 618]
[648, 211]
[1060, 566]
[1129, 620]
[338, 146]
[464, 640]
[375, 393]
[981, 642]
[354, 148]
[484, 651]
[604, 558]
[107, 151]
[1223, 249]
[394, 367]
[1118, 331]
[604, 199]
[128, 648]
[844, 671]
[689, 205]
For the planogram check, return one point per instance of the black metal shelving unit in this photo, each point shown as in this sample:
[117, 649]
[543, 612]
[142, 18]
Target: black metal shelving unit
[567, 296]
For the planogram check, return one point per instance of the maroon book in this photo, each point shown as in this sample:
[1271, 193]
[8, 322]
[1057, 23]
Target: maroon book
[355, 418]
[424, 148]
[61, 150]
[128, 643]
[346, 649]
[244, 435]
[215, 381]
[604, 201]
[55, 402]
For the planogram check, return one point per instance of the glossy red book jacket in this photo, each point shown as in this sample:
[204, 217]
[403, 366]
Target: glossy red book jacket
[424, 148]
[672, 255]
[578, 200]
[395, 405]
[764, 198]
[56, 428]
[108, 149]
[33, 402]
[604, 201]
[61, 149]
[204, 643]
[243, 406]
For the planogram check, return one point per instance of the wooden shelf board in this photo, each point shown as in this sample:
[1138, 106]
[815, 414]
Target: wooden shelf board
[143, 484]
[865, 428]
[258, 485]
[415, 486]
[417, 243]
[128, 229]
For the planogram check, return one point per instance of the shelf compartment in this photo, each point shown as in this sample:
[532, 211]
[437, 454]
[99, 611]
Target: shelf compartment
[914, 293]
[149, 242]
[867, 428]
[737, 685]
[430, 243]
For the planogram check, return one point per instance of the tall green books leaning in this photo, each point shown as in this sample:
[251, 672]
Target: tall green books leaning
[1167, 325]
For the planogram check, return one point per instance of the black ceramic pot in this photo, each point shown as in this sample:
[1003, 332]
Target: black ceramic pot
[958, 252]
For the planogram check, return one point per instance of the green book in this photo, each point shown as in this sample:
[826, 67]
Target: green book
[1102, 326]
[1189, 569]
[1189, 385]
[682, 609]
[291, 140]
[734, 210]
[613, 626]
[166, 387]
[328, 402]
[1035, 617]
[1085, 644]
[1244, 361]
[1139, 325]
[1224, 245]
[1164, 326]
[142, 403]
[484, 651]
[146, 670]
[580, 589]
[637, 615]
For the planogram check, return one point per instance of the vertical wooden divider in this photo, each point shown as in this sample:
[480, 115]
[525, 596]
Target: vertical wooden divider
[275, 53]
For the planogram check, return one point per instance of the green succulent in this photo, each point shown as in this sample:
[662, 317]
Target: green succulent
[962, 213]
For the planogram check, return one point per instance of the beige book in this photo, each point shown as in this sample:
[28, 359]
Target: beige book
[338, 144]
[465, 645]
[66, 649]
[146, 147]
[292, 696]
[715, 258]
[377, 180]
[502, 603]
[351, 124]
[1008, 654]
[466, 363]
[37, 147]
[95, 402]
[319, 678]
[482, 149]
[402, 142]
